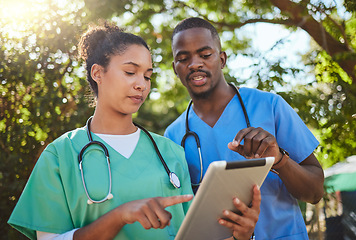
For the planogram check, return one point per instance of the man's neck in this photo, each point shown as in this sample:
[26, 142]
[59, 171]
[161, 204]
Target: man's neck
[209, 109]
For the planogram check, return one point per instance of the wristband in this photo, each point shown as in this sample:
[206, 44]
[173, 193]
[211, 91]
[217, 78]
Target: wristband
[252, 237]
[282, 161]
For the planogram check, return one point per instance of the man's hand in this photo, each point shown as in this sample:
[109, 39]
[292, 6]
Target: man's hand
[303, 180]
[257, 143]
[242, 226]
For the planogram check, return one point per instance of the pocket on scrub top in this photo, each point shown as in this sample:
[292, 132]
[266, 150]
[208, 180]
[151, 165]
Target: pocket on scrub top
[96, 173]
[169, 190]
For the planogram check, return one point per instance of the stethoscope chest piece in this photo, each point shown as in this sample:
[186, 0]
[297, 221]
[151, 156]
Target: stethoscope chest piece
[173, 178]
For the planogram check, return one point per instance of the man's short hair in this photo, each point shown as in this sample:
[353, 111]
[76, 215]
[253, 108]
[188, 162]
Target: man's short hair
[195, 22]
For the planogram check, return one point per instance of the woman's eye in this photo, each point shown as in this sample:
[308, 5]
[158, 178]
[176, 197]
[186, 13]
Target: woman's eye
[129, 73]
[148, 78]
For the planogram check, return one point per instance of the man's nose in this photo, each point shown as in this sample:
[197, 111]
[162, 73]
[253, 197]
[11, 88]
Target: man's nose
[196, 63]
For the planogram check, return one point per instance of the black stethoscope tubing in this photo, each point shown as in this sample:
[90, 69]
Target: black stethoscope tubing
[155, 147]
[189, 132]
[172, 176]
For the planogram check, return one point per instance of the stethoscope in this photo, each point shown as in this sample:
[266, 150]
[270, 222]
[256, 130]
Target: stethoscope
[173, 178]
[189, 132]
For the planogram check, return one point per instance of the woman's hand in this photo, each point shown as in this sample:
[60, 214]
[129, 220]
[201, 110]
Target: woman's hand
[150, 212]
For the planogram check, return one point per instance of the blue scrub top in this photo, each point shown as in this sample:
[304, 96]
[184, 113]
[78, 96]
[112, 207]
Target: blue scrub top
[280, 215]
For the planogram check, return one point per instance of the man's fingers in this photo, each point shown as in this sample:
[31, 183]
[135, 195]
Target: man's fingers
[256, 199]
[169, 201]
[240, 206]
[233, 226]
[257, 143]
[246, 134]
[266, 142]
[239, 136]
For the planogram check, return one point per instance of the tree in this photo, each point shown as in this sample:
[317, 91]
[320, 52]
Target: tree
[326, 103]
[42, 93]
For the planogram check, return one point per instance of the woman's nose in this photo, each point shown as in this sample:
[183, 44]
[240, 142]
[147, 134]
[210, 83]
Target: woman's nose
[141, 84]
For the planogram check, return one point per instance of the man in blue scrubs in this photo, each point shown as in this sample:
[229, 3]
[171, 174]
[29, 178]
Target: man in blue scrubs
[218, 119]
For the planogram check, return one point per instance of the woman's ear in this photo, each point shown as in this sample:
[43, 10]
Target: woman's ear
[96, 73]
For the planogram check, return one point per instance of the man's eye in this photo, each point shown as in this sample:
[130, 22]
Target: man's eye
[206, 55]
[182, 59]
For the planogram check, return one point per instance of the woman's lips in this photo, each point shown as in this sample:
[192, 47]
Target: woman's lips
[136, 98]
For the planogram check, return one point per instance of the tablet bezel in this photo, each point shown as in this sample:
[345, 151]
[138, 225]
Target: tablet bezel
[216, 192]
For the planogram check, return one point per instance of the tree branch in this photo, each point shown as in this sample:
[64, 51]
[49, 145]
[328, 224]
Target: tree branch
[317, 31]
[339, 26]
[233, 26]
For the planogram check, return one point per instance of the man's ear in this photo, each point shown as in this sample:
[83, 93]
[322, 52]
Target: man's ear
[223, 58]
[174, 69]
[96, 73]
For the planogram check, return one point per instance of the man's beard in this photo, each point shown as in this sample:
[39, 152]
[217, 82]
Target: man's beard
[202, 95]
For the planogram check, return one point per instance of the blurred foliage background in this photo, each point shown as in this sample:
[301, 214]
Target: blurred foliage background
[43, 91]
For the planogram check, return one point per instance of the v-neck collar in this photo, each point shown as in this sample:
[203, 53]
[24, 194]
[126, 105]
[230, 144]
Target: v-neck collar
[193, 114]
[112, 151]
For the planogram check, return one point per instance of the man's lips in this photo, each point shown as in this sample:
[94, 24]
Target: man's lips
[198, 77]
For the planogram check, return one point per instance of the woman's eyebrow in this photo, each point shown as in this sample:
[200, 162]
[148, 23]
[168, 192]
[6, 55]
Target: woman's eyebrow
[137, 65]
[131, 63]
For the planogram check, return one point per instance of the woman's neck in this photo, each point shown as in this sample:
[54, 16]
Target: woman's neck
[115, 124]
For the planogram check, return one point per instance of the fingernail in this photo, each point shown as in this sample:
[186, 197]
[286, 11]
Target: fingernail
[235, 143]
[257, 155]
[237, 201]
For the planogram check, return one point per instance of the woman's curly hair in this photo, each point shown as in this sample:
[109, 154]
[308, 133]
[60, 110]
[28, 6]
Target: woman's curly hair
[100, 43]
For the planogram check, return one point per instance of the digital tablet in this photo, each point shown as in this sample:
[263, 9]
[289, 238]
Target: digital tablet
[222, 182]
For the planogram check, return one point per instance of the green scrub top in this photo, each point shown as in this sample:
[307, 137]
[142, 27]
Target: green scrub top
[54, 199]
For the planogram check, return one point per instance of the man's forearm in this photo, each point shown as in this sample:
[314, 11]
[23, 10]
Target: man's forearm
[305, 180]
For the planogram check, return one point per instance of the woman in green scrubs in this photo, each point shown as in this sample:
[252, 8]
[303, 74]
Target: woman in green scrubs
[119, 68]
[144, 204]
